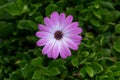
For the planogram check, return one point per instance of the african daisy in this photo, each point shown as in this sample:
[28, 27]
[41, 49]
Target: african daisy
[58, 35]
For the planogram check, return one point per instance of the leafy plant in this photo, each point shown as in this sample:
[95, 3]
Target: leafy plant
[98, 56]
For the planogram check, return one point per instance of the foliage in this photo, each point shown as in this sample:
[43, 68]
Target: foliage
[98, 57]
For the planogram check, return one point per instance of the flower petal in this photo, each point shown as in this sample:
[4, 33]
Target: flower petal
[65, 51]
[48, 22]
[73, 37]
[43, 28]
[49, 55]
[43, 34]
[62, 20]
[53, 27]
[56, 49]
[48, 47]
[71, 26]
[42, 42]
[71, 44]
[63, 54]
[77, 42]
[54, 17]
[68, 20]
[74, 31]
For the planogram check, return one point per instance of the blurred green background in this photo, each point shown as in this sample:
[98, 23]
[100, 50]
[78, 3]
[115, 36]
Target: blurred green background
[98, 57]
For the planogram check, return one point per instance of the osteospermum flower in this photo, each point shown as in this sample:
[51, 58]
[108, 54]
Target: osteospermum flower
[58, 35]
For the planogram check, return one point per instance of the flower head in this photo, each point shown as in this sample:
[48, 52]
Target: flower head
[58, 35]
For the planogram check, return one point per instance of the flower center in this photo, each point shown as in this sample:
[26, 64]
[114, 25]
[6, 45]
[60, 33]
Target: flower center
[58, 35]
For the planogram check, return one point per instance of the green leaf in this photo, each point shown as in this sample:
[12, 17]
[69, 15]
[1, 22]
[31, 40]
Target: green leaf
[34, 8]
[56, 63]
[37, 62]
[16, 75]
[2, 2]
[116, 46]
[12, 9]
[6, 29]
[110, 68]
[31, 39]
[20, 4]
[92, 55]
[37, 75]
[104, 28]
[107, 5]
[75, 62]
[28, 71]
[97, 14]
[114, 15]
[27, 25]
[25, 9]
[89, 35]
[117, 64]
[50, 8]
[102, 40]
[51, 71]
[85, 53]
[5, 16]
[117, 28]
[105, 52]
[39, 19]
[95, 22]
[90, 71]
[117, 73]
[97, 67]
[70, 10]
[82, 72]
[106, 77]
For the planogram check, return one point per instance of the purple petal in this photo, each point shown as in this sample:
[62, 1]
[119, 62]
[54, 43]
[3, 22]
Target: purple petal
[43, 34]
[71, 44]
[42, 42]
[48, 22]
[71, 26]
[54, 17]
[65, 51]
[49, 55]
[68, 20]
[56, 50]
[62, 19]
[43, 28]
[48, 47]
[77, 42]
[74, 37]
[74, 31]
[62, 54]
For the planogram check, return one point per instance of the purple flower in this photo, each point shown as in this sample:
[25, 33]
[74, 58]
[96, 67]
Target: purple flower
[58, 35]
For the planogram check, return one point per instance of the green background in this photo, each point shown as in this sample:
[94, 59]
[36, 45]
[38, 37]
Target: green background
[98, 56]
